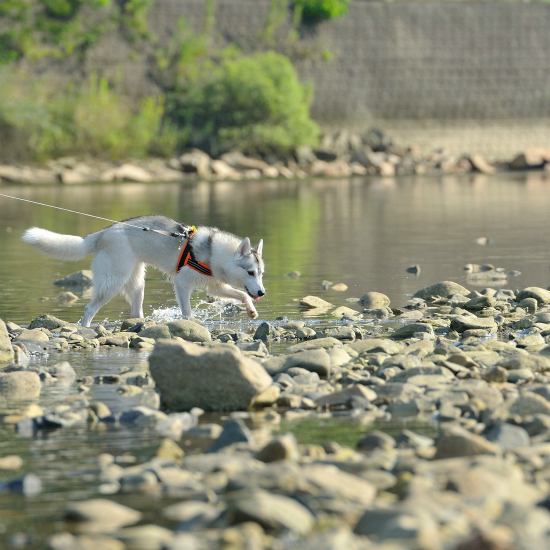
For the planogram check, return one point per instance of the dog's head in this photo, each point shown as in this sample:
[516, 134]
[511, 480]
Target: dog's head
[249, 268]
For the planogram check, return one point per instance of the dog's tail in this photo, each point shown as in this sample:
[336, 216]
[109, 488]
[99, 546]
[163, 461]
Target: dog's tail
[60, 247]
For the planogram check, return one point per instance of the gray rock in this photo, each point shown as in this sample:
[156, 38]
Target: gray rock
[47, 321]
[145, 537]
[283, 447]
[524, 405]
[19, 385]
[479, 303]
[461, 323]
[456, 441]
[376, 440]
[235, 431]
[156, 332]
[318, 343]
[264, 332]
[192, 513]
[340, 333]
[82, 278]
[29, 485]
[529, 304]
[188, 330]
[445, 288]
[541, 295]
[218, 378]
[410, 329]
[508, 436]
[6, 350]
[34, 335]
[377, 345]
[374, 300]
[275, 513]
[312, 302]
[344, 396]
[317, 360]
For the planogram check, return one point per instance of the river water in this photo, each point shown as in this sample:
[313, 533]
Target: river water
[361, 232]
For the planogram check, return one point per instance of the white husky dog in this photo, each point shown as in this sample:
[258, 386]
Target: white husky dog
[202, 257]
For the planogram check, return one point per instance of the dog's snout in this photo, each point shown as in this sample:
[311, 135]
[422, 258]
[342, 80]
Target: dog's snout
[261, 293]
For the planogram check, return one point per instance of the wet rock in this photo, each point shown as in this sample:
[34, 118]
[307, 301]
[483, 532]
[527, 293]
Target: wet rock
[311, 302]
[377, 345]
[340, 333]
[318, 343]
[48, 322]
[264, 332]
[305, 333]
[19, 385]
[156, 332]
[29, 485]
[456, 441]
[196, 161]
[235, 431]
[283, 447]
[33, 335]
[342, 311]
[192, 514]
[100, 515]
[374, 300]
[218, 378]
[6, 350]
[445, 288]
[275, 513]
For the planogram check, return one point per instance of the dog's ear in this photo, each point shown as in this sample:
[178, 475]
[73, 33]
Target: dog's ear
[244, 247]
[258, 248]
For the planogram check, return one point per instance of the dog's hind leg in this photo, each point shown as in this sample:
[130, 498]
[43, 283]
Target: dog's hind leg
[109, 279]
[134, 290]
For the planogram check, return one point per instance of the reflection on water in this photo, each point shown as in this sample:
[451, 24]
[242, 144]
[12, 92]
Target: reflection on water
[363, 232]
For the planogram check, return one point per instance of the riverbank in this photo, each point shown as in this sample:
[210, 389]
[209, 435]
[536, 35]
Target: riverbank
[342, 154]
[472, 367]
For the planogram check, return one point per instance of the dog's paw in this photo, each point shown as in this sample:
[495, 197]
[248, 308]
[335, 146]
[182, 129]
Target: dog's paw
[252, 313]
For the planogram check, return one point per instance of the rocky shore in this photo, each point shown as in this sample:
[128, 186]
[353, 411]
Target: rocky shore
[472, 367]
[342, 154]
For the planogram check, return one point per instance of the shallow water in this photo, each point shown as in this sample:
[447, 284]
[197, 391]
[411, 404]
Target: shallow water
[363, 232]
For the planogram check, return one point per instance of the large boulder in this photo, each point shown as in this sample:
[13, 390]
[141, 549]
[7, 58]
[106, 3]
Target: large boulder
[6, 351]
[214, 379]
[19, 385]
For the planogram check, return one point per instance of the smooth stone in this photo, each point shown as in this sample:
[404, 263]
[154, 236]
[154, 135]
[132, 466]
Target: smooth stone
[374, 300]
[192, 512]
[461, 323]
[275, 513]
[318, 343]
[6, 349]
[317, 360]
[377, 345]
[344, 396]
[458, 442]
[213, 379]
[480, 302]
[48, 322]
[529, 304]
[19, 385]
[305, 333]
[410, 329]
[34, 335]
[264, 332]
[156, 332]
[284, 447]
[29, 485]
[541, 295]
[99, 515]
[376, 440]
[11, 462]
[527, 404]
[342, 311]
[81, 278]
[312, 302]
[508, 436]
[188, 330]
[267, 397]
[444, 289]
[145, 537]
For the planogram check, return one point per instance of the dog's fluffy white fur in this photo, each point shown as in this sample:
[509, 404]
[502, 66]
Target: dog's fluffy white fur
[123, 250]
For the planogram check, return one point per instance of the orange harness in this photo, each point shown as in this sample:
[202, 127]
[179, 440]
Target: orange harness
[187, 258]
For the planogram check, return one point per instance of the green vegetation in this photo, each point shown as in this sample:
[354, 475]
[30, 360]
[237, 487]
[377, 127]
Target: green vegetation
[314, 10]
[42, 123]
[253, 103]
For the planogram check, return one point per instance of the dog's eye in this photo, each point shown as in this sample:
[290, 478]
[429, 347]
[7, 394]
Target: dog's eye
[251, 273]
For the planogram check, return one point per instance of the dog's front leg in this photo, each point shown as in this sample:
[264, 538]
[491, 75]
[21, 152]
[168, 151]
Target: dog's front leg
[183, 296]
[227, 291]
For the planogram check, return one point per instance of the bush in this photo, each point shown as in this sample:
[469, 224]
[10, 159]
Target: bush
[38, 123]
[252, 103]
[322, 9]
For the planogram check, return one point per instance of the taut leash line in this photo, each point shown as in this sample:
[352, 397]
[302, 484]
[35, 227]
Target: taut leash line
[165, 233]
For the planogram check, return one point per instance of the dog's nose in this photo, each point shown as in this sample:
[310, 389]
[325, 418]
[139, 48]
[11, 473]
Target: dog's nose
[261, 293]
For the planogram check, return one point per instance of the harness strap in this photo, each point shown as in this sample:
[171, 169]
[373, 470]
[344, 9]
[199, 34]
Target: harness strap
[187, 258]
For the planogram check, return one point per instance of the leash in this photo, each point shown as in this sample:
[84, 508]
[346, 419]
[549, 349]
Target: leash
[184, 260]
[184, 235]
